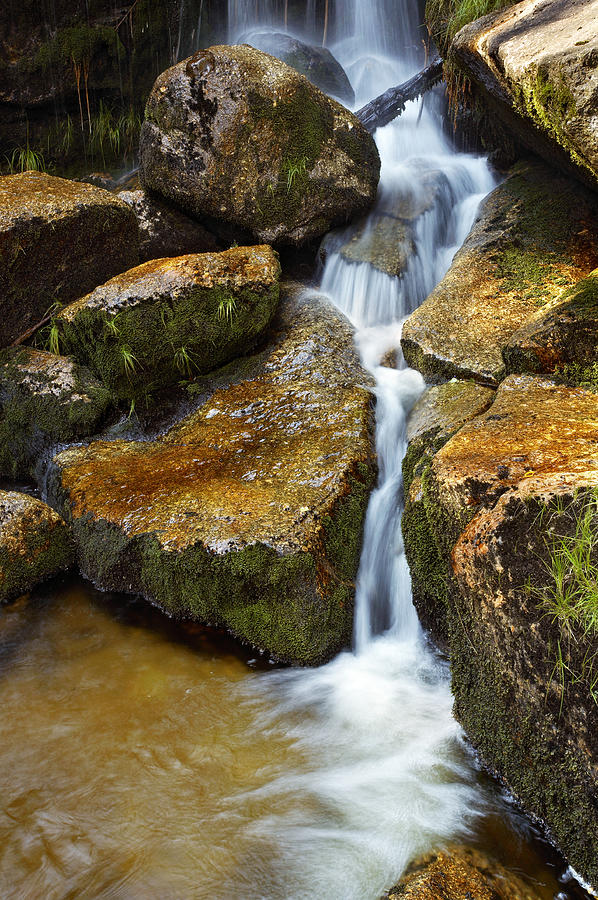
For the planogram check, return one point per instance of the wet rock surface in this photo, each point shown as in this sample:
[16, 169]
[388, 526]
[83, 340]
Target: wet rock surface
[460, 873]
[537, 65]
[58, 240]
[497, 500]
[248, 513]
[169, 319]
[535, 237]
[35, 543]
[44, 400]
[317, 64]
[239, 139]
[164, 230]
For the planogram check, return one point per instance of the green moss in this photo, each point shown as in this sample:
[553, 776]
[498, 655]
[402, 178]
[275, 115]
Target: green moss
[580, 375]
[445, 18]
[77, 46]
[44, 552]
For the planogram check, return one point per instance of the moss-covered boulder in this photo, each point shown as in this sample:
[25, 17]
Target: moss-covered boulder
[249, 513]
[165, 230]
[44, 400]
[169, 319]
[460, 873]
[239, 139]
[536, 236]
[317, 63]
[511, 506]
[58, 240]
[438, 414]
[563, 339]
[537, 67]
[35, 543]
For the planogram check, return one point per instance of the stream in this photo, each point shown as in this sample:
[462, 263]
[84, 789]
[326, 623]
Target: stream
[142, 760]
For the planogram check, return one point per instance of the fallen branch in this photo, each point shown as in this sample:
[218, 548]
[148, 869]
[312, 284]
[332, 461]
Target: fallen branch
[391, 103]
[32, 330]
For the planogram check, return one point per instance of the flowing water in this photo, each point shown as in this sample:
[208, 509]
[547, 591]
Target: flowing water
[142, 760]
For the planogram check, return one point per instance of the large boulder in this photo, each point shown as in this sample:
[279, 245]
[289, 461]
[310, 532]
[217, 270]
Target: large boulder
[169, 319]
[510, 508]
[317, 63]
[249, 513]
[58, 240]
[237, 138]
[35, 543]
[44, 400]
[535, 237]
[536, 64]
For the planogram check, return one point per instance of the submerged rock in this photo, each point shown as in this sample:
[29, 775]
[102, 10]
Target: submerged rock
[169, 319]
[239, 139]
[537, 66]
[563, 339]
[44, 400]
[249, 513]
[460, 873]
[164, 230]
[58, 240]
[536, 236]
[35, 543]
[317, 64]
[500, 498]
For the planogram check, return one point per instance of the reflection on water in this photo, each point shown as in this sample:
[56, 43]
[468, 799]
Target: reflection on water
[142, 761]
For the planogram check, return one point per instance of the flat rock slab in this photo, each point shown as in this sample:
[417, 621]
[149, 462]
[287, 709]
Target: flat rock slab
[237, 138]
[44, 400]
[538, 62]
[35, 543]
[58, 240]
[249, 513]
[535, 237]
[169, 319]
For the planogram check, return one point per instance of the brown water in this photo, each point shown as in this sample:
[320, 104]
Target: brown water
[140, 760]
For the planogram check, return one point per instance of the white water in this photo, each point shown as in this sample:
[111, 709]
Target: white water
[385, 775]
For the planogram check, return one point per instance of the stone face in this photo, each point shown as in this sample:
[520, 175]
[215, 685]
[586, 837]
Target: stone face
[58, 240]
[458, 873]
[237, 138]
[562, 339]
[164, 230]
[169, 319]
[499, 498]
[35, 543]
[44, 400]
[537, 63]
[317, 64]
[438, 414]
[249, 513]
[536, 236]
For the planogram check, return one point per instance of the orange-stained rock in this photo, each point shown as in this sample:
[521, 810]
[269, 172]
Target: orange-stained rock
[58, 240]
[249, 513]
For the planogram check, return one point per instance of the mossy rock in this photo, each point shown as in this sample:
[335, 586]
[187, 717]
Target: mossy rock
[58, 240]
[170, 319]
[239, 139]
[249, 513]
[535, 237]
[44, 400]
[35, 543]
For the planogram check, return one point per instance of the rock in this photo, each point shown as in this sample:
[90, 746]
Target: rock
[562, 339]
[35, 543]
[44, 400]
[249, 513]
[317, 64]
[438, 414]
[168, 319]
[536, 236]
[58, 240]
[460, 873]
[163, 230]
[537, 64]
[242, 141]
[500, 497]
